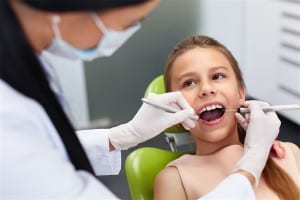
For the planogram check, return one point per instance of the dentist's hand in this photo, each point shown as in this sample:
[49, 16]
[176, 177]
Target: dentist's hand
[262, 128]
[150, 121]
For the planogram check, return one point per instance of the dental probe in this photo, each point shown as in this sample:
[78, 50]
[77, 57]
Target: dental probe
[165, 107]
[240, 110]
[269, 108]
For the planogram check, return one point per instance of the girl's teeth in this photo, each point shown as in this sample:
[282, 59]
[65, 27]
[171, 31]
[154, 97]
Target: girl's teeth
[211, 107]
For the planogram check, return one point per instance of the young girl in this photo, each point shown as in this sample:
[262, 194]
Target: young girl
[208, 76]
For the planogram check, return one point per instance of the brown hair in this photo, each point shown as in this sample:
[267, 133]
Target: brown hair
[274, 175]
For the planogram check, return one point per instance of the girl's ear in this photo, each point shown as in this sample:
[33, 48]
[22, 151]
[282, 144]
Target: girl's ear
[242, 94]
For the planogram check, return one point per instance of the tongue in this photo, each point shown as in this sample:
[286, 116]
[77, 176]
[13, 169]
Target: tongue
[211, 115]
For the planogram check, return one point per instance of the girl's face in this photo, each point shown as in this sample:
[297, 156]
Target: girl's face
[207, 81]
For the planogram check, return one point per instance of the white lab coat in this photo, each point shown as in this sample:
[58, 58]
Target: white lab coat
[234, 187]
[34, 162]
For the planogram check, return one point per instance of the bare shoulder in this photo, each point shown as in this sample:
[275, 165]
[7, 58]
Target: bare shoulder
[295, 149]
[168, 185]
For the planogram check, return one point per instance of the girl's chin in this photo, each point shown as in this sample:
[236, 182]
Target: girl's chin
[215, 135]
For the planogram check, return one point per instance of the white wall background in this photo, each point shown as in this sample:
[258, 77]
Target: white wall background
[225, 21]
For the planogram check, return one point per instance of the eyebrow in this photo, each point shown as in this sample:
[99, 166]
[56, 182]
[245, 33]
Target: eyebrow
[177, 79]
[193, 73]
[219, 67]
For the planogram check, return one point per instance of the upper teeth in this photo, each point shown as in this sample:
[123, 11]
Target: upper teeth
[210, 107]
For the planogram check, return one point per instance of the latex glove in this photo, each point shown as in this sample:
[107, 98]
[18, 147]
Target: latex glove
[277, 150]
[150, 121]
[261, 132]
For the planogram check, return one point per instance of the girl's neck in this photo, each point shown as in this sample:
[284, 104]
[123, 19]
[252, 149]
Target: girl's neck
[209, 148]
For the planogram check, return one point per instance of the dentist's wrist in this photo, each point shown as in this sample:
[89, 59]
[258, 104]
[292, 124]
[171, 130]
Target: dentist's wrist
[253, 161]
[124, 136]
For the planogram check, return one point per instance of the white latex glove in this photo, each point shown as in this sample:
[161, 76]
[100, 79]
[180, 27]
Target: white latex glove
[150, 121]
[262, 128]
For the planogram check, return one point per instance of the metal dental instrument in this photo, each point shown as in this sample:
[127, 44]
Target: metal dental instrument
[269, 108]
[240, 110]
[164, 107]
[160, 106]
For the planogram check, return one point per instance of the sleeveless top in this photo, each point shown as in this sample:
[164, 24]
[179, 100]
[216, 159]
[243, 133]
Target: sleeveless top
[200, 174]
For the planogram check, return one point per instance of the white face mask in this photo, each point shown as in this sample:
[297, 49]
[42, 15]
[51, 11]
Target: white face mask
[111, 41]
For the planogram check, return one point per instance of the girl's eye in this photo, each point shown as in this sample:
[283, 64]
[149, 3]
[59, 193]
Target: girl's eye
[189, 83]
[218, 76]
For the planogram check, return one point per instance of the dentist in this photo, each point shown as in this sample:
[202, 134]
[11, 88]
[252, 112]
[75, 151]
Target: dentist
[42, 157]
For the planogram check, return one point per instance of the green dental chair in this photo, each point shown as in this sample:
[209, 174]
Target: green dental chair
[143, 164]
[141, 167]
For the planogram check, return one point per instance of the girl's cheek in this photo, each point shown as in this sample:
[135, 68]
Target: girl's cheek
[190, 98]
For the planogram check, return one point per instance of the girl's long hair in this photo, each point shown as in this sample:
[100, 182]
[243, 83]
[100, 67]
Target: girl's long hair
[20, 68]
[276, 178]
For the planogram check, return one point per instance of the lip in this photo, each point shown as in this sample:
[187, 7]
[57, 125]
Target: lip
[214, 122]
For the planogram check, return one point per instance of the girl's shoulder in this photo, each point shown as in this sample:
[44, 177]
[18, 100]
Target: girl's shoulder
[293, 147]
[295, 152]
[168, 179]
[292, 150]
[291, 161]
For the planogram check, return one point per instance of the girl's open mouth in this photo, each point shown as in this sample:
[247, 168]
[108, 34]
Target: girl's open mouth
[211, 112]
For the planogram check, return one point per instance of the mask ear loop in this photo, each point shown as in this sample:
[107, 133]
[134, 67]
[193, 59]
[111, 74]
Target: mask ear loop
[55, 22]
[99, 23]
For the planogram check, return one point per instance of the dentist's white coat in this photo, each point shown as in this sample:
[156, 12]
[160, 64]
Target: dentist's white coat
[34, 162]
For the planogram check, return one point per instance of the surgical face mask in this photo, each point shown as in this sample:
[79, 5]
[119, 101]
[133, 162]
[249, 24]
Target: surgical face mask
[110, 42]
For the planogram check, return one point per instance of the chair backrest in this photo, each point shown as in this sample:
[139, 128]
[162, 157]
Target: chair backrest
[141, 167]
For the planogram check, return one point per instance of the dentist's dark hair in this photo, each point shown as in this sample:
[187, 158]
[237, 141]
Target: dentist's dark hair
[276, 178]
[80, 5]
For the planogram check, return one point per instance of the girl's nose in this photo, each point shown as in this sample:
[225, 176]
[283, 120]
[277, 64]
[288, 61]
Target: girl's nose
[207, 91]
